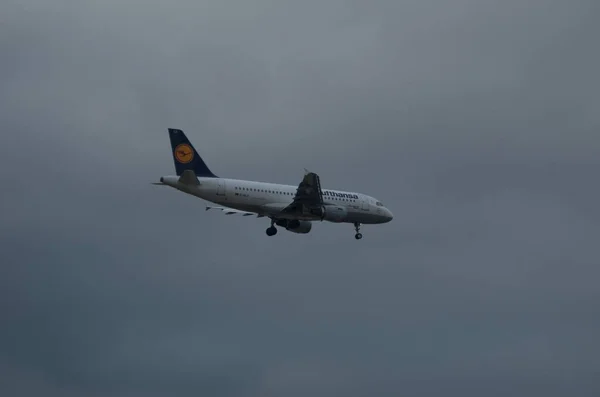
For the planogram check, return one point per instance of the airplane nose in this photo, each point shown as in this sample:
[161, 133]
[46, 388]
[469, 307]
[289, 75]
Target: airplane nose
[389, 214]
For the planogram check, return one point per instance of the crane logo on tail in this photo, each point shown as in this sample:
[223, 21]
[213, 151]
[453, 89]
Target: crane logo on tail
[184, 153]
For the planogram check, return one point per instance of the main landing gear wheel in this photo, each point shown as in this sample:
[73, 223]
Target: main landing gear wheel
[358, 235]
[271, 231]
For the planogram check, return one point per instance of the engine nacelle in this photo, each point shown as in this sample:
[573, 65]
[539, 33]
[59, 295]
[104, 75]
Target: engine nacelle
[334, 213]
[295, 225]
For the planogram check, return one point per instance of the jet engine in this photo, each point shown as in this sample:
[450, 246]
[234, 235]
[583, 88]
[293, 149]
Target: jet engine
[333, 213]
[295, 225]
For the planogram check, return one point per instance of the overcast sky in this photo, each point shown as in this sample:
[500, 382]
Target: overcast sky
[476, 122]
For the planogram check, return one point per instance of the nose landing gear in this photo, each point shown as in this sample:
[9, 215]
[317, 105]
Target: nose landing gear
[358, 235]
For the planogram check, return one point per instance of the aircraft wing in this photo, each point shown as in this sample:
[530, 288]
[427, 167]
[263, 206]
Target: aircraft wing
[308, 194]
[232, 211]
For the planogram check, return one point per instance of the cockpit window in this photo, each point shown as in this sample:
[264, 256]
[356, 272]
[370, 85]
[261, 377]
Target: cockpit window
[379, 204]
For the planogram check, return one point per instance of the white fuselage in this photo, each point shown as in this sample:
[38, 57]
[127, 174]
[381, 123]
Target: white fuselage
[270, 198]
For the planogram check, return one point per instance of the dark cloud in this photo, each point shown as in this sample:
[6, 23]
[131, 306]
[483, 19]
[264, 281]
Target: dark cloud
[474, 121]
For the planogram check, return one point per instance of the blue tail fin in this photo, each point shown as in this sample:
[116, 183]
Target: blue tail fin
[185, 156]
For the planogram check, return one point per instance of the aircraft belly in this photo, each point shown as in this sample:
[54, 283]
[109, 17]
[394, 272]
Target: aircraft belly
[357, 216]
[208, 193]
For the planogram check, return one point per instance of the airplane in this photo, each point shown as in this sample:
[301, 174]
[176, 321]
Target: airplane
[291, 207]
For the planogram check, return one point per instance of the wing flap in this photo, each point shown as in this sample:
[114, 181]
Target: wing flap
[233, 211]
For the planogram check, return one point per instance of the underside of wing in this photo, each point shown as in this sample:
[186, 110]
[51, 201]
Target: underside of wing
[232, 211]
[308, 194]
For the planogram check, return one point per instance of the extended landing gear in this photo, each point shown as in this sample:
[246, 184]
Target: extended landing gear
[358, 235]
[271, 231]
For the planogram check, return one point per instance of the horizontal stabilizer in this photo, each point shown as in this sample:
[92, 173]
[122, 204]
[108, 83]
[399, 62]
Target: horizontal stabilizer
[232, 211]
[158, 184]
[188, 177]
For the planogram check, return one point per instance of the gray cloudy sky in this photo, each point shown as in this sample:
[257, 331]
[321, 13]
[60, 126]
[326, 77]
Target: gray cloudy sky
[476, 121]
